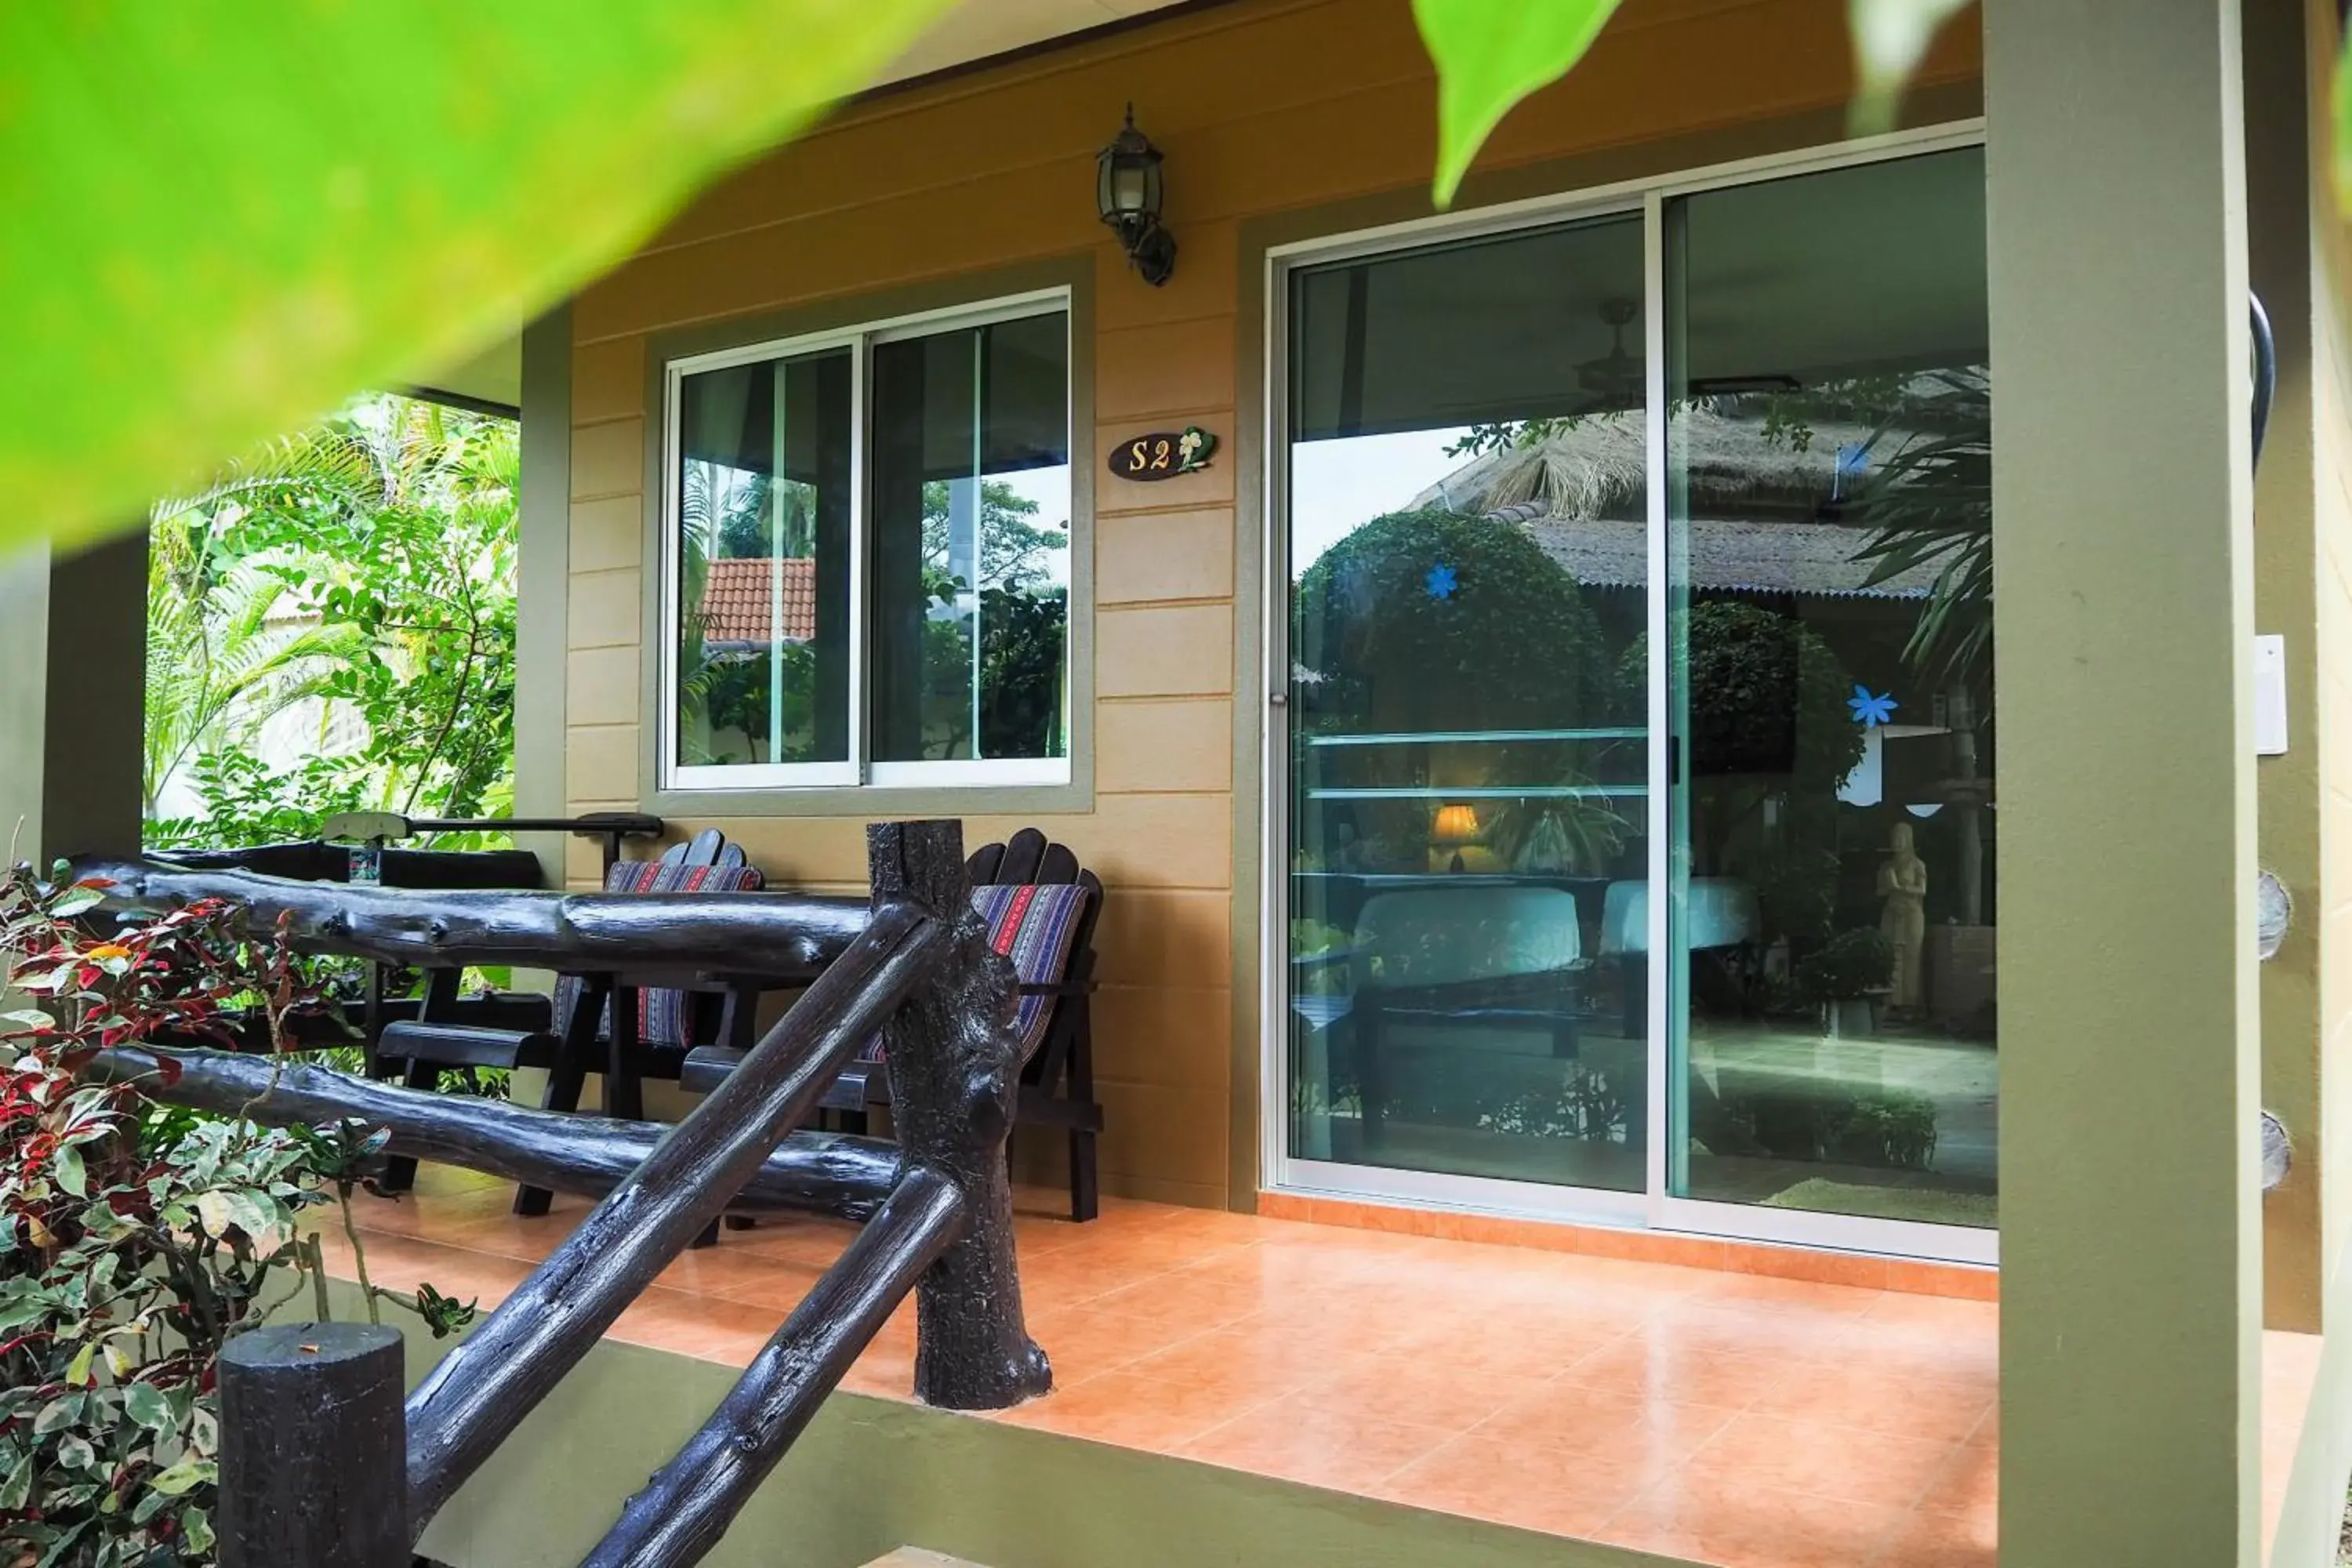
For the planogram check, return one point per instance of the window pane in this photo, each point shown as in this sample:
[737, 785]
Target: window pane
[1831, 542]
[971, 535]
[764, 518]
[1469, 745]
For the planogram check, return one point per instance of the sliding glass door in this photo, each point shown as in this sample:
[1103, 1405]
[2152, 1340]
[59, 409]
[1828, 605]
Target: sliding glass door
[1468, 756]
[1829, 593]
[1631, 757]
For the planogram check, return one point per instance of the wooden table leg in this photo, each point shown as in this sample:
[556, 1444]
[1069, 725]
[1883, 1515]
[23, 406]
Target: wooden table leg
[568, 1077]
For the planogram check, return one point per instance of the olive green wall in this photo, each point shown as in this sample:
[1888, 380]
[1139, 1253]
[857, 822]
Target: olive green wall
[872, 1474]
[2318, 1099]
[2130, 1231]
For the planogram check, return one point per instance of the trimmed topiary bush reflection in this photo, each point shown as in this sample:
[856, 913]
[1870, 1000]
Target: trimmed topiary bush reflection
[1425, 620]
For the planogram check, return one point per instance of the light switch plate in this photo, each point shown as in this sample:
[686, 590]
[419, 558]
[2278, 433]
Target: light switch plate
[2270, 696]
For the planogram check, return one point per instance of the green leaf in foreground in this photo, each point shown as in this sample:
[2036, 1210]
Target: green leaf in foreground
[225, 218]
[1490, 54]
[2340, 104]
[1890, 38]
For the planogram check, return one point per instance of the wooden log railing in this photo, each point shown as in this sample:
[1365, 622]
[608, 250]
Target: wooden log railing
[938, 1208]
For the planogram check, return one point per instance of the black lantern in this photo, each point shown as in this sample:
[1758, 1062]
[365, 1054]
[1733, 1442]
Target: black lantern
[1127, 195]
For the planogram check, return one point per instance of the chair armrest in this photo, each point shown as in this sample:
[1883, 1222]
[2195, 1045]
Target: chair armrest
[1063, 988]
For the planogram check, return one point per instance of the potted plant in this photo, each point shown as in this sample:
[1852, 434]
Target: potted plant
[1844, 976]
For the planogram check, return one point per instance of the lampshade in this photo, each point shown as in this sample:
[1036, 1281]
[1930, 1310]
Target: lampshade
[1128, 192]
[1128, 178]
[1456, 824]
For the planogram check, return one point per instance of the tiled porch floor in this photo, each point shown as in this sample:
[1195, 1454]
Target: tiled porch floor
[1719, 1418]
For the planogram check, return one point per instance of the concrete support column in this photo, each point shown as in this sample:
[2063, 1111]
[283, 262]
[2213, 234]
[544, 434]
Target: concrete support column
[23, 698]
[543, 582]
[73, 681]
[2130, 1232]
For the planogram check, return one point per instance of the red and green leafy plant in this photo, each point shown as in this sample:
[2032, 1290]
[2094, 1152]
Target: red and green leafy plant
[136, 1238]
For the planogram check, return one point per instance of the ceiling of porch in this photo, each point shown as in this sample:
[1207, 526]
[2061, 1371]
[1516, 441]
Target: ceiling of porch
[974, 30]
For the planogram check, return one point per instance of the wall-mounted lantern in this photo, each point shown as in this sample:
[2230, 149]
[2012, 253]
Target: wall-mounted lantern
[1127, 195]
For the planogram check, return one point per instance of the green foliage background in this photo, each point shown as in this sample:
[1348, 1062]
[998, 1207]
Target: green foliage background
[369, 571]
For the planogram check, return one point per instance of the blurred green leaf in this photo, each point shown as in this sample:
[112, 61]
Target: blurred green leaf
[225, 218]
[1490, 54]
[1890, 38]
[2340, 96]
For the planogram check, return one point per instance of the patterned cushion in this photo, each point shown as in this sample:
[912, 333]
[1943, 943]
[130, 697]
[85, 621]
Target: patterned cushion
[664, 1017]
[1034, 924]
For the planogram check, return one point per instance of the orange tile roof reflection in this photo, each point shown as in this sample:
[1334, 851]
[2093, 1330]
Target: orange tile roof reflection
[738, 599]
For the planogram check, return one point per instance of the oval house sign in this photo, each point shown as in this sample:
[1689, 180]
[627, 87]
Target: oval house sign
[1163, 454]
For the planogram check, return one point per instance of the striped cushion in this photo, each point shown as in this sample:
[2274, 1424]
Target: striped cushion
[1034, 924]
[664, 1017]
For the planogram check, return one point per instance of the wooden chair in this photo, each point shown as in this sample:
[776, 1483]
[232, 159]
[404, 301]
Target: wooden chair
[648, 1035]
[1051, 940]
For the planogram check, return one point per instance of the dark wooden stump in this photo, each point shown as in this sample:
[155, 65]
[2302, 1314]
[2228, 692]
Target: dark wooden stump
[954, 1069]
[314, 1450]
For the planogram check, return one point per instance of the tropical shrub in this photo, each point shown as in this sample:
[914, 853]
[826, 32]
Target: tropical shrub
[1851, 965]
[136, 1238]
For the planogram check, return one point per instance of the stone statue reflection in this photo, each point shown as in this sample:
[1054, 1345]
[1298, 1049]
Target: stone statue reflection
[1902, 919]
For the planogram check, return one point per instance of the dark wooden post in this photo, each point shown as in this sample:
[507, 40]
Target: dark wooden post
[953, 1067]
[314, 1450]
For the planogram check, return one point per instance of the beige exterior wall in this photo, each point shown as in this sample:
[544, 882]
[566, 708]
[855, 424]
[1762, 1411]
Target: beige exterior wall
[1263, 108]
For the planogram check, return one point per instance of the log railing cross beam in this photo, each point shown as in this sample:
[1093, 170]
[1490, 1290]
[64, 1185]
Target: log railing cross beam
[916, 965]
[480, 1392]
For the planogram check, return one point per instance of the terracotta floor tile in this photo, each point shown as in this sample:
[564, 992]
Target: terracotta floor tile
[796, 1238]
[1939, 1409]
[1138, 1412]
[1970, 1484]
[1943, 1314]
[697, 1326]
[778, 1284]
[1846, 1463]
[1280, 1359]
[735, 1271]
[1577, 1420]
[1511, 1483]
[1424, 1392]
[1280, 1271]
[1532, 1351]
[1757, 1527]
[1084, 1342]
[1198, 1300]
[1733, 1328]
[1316, 1447]
[400, 1263]
[1755, 1420]
[1945, 1540]
[1651, 1366]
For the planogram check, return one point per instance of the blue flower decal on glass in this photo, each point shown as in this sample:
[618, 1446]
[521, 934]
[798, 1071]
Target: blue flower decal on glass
[1872, 711]
[1440, 581]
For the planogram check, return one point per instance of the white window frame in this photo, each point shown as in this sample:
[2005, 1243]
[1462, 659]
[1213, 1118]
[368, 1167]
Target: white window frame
[859, 770]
